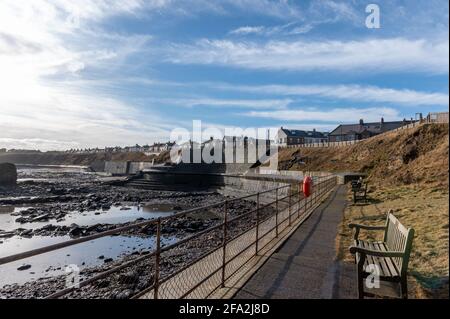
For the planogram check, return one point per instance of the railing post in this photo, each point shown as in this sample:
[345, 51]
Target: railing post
[290, 205]
[157, 256]
[257, 224]
[276, 214]
[224, 242]
[299, 200]
[306, 204]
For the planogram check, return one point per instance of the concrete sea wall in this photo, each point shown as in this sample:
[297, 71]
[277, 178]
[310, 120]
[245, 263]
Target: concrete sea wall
[8, 175]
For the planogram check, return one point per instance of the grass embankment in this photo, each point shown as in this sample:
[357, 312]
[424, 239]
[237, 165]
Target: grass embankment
[407, 172]
[425, 210]
[418, 155]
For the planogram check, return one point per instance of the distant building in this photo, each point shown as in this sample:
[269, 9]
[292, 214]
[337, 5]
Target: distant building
[286, 137]
[437, 117]
[351, 132]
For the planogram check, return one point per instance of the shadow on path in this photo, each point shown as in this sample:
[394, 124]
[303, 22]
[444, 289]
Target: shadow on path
[305, 265]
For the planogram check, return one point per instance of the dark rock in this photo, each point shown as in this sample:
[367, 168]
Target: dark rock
[27, 233]
[108, 260]
[76, 231]
[22, 220]
[129, 277]
[24, 267]
[126, 294]
[103, 284]
[7, 234]
[41, 218]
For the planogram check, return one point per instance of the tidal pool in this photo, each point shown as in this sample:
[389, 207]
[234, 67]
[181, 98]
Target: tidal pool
[81, 255]
[114, 215]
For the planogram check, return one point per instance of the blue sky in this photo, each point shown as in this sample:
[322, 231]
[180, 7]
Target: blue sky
[94, 73]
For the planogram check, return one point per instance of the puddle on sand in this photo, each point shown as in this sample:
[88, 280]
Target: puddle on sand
[114, 215]
[54, 263]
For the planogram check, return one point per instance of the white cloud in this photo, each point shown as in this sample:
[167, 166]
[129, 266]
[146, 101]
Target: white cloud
[291, 28]
[376, 55]
[37, 144]
[40, 39]
[248, 30]
[335, 115]
[281, 9]
[241, 103]
[306, 19]
[361, 93]
[67, 117]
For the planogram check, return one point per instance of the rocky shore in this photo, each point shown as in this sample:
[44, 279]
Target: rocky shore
[52, 199]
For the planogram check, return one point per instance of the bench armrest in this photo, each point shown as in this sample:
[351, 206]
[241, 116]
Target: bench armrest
[376, 253]
[367, 227]
[358, 227]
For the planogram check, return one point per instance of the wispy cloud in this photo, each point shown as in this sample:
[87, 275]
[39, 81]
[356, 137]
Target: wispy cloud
[307, 18]
[291, 28]
[239, 103]
[358, 93]
[248, 30]
[376, 55]
[335, 115]
[281, 9]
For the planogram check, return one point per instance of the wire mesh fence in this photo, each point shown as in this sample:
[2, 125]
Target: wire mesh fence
[200, 259]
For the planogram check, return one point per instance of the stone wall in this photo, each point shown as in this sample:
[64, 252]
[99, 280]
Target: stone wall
[8, 175]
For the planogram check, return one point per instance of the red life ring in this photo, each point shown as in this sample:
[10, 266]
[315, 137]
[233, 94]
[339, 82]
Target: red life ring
[307, 186]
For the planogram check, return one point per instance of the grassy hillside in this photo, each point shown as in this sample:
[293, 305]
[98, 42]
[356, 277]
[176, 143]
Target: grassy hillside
[408, 173]
[418, 155]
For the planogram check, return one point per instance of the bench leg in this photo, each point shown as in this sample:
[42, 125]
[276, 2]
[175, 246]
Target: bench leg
[360, 286]
[360, 278]
[404, 288]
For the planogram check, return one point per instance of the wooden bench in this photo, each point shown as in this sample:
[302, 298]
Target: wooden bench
[359, 193]
[390, 256]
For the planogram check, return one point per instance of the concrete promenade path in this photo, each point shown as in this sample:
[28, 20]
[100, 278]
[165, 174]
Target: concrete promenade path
[305, 266]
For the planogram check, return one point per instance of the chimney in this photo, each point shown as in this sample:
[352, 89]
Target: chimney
[361, 122]
[314, 130]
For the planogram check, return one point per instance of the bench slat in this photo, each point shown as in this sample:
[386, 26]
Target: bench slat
[381, 261]
[385, 264]
[393, 271]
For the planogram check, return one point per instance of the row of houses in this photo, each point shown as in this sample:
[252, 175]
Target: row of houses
[147, 149]
[343, 132]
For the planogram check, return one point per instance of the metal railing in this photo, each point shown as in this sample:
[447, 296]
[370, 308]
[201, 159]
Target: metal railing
[321, 144]
[198, 264]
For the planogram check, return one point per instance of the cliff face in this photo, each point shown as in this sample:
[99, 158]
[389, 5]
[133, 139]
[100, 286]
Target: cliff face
[418, 155]
[60, 158]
